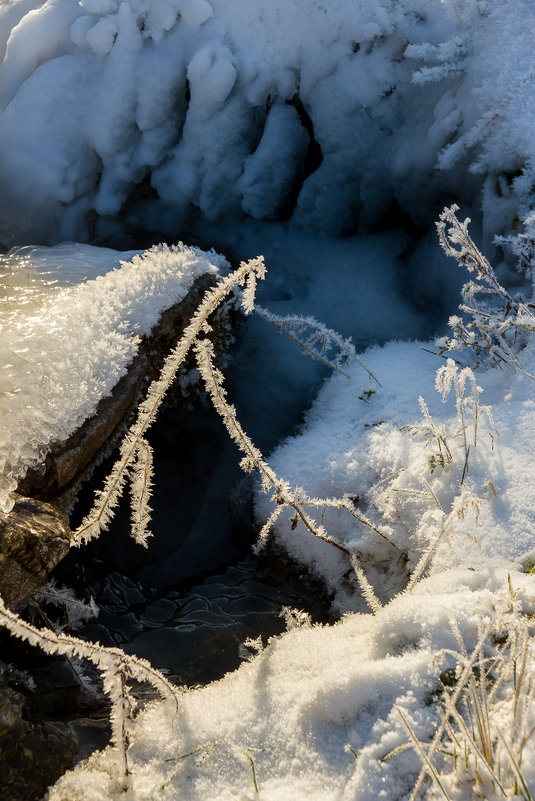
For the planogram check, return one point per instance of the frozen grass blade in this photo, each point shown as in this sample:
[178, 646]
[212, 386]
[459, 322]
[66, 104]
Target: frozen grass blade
[99, 517]
[425, 759]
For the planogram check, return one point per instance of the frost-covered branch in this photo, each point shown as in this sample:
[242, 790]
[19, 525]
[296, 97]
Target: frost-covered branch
[135, 459]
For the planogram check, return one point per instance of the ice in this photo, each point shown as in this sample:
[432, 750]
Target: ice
[272, 170]
[71, 319]
[401, 101]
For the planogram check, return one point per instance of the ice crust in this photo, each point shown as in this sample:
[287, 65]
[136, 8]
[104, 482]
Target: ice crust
[71, 318]
[213, 104]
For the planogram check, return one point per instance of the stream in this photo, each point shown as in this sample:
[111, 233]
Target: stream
[190, 599]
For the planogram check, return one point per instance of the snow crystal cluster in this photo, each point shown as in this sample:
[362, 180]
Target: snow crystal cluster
[329, 112]
[71, 319]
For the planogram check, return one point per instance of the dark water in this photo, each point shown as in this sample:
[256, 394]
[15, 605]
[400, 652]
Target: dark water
[188, 601]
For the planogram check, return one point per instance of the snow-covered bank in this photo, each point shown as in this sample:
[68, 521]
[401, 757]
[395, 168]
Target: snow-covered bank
[331, 112]
[71, 319]
[318, 710]
[377, 448]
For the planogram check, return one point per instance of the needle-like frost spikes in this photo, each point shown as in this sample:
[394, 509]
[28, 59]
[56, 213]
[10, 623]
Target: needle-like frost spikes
[258, 271]
[317, 340]
[140, 488]
[135, 454]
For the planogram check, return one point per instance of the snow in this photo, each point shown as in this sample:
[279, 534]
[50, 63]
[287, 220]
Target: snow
[361, 449]
[192, 115]
[319, 711]
[219, 107]
[71, 319]
[296, 706]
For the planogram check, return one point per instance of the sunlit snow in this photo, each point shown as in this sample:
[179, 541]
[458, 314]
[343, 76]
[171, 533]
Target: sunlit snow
[256, 126]
[66, 341]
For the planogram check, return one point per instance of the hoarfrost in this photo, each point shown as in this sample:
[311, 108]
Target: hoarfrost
[71, 318]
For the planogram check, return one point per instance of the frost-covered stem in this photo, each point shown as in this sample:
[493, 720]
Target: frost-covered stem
[114, 683]
[460, 410]
[345, 503]
[100, 515]
[284, 497]
[322, 334]
[424, 757]
[266, 528]
[307, 522]
[272, 318]
[457, 717]
[116, 668]
[457, 242]
[476, 412]
[213, 379]
[141, 489]
[367, 590]
[425, 559]
[100, 655]
[492, 325]
[437, 433]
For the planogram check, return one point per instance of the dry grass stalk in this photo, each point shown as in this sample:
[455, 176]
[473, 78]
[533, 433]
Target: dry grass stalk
[134, 444]
[488, 719]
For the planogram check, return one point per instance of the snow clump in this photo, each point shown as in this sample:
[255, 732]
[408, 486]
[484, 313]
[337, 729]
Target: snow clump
[328, 114]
